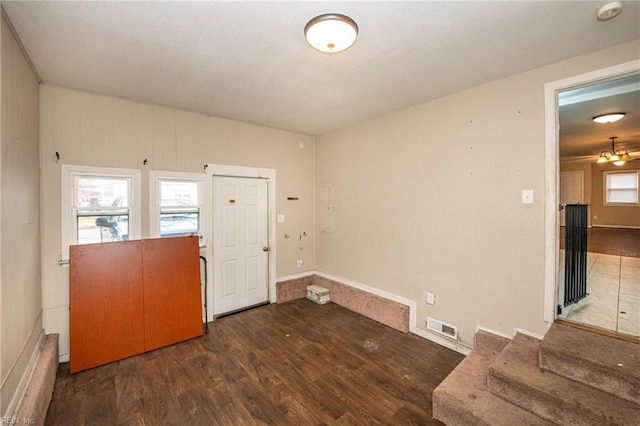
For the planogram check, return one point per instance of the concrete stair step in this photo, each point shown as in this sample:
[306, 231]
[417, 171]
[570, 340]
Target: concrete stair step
[599, 361]
[515, 376]
[464, 399]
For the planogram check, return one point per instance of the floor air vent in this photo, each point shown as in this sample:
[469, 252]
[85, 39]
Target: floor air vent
[443, 328]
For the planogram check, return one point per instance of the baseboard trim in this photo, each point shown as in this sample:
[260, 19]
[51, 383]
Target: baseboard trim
[295, 276]
[497, 333]
[616, 227]
[530, 333]
[18, 394]
[510, 336]
[450, 344]
[364, 287]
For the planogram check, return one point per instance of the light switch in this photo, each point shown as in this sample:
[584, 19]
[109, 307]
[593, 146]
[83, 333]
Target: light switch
[431, 298]
[527, 196]
[280, 218]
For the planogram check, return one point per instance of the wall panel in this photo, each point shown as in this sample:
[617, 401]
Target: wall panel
[121, 133]
[20, 287]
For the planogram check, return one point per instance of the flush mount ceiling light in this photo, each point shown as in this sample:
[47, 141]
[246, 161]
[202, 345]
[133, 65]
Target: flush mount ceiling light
[331, 33]
[609, 11]
[609, 118]
[615, 156]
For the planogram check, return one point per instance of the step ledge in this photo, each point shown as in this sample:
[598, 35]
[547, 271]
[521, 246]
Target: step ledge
[575, 354]
[516, 377]
[463, 398]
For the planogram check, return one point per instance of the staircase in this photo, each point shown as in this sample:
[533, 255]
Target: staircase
[571, 377]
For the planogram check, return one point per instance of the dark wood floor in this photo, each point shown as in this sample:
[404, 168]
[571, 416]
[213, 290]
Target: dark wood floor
[620, 242]
[295, 363]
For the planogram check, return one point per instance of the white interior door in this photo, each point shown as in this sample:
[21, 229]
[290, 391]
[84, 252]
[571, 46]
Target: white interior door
[240, 243]
[571, 190]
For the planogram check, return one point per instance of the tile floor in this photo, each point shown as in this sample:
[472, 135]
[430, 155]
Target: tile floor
[613, 285]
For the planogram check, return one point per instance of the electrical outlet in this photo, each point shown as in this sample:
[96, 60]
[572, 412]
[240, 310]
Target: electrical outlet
[431, 299]
[299, 263]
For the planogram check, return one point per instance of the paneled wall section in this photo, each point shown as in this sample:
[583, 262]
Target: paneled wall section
[93, 130]
[20, 291]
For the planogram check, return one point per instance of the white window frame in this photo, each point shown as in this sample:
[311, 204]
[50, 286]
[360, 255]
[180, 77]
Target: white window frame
[69, 174]
[605, 188]
[155, 179]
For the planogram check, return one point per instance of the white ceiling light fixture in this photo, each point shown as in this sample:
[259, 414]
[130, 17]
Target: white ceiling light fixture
[615, 156]
[331, 33]
[609, 118]
[609, 11]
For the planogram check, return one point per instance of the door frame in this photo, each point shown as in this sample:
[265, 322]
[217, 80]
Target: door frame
[552, 172]
[225, 170]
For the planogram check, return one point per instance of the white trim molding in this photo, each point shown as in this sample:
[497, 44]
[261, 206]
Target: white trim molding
[67, 200]
[295, 276]
[204, 196]
[252, 172]
[616, 227]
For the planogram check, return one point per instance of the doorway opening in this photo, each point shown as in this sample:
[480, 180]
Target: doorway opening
[254, 204]
[574, 175]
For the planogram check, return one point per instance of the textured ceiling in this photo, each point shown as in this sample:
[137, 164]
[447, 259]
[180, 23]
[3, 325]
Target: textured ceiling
[248, 61]
[583, 139]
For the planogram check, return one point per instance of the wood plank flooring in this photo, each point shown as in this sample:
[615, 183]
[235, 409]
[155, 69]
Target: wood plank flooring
[296, 363]
[619, 242]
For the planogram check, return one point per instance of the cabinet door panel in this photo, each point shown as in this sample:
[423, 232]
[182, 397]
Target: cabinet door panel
[172, 298]
[105, 303]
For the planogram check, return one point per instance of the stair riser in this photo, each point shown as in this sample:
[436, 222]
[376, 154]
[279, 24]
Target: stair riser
[452, 412]
[546, 406]
[625, 387]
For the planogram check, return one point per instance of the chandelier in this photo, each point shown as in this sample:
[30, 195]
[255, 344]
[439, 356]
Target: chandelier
[616, 156]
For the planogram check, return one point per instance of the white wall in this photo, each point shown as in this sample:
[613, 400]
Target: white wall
[428, 199]
[93, 130]
[20, 291]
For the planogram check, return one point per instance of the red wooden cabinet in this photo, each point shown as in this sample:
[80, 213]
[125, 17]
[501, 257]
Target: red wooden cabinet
[129, 297]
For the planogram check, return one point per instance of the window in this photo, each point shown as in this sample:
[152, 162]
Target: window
[99, 205]
[177, 204]
[621, 187]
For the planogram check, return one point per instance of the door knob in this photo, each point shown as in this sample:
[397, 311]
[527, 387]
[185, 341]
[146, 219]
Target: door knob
[265, 248]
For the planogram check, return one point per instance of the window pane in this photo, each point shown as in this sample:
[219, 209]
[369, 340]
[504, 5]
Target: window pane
[622, 196]
[102, 229]
[176, 224]
[623, 180]
[178, 193]
[94, 192]
[622, 187]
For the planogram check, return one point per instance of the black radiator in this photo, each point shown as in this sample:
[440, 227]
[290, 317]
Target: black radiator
[575, 254]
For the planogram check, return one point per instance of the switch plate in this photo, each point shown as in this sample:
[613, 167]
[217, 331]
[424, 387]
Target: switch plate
[280, 218]
[431, 299]
[527, 196]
